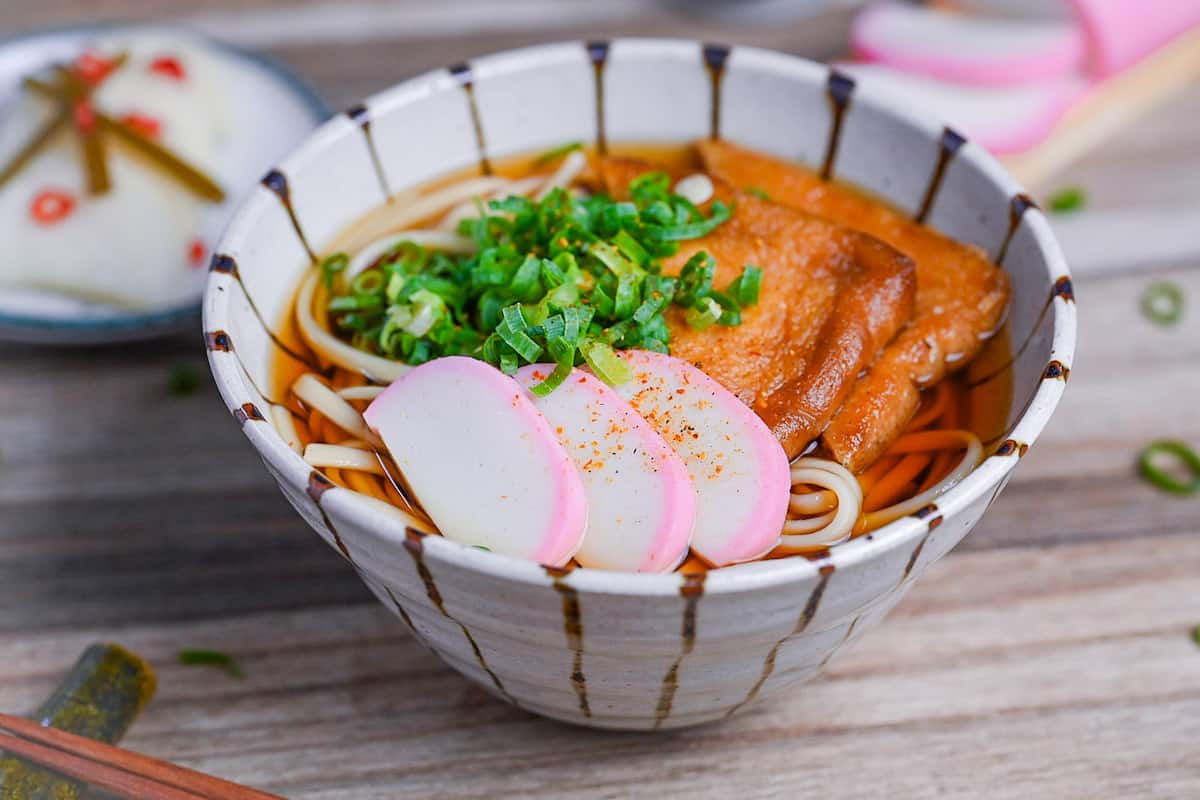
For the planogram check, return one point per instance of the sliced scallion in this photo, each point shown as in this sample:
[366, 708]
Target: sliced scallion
[1071, 198]
[1162, 303]
[1186, 461]
[706, 312]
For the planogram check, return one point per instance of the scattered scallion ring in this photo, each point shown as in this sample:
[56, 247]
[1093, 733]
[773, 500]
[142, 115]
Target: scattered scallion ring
[1071, 198]
[1148, 464]
[1162, 303]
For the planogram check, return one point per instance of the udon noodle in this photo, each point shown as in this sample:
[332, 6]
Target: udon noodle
[321, 418]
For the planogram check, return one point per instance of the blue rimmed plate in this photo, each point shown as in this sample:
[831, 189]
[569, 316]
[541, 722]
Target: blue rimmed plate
[274, 109]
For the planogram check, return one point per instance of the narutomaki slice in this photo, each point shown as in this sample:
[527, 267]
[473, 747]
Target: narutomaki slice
[641, 501]
[484, 462]
[737, 466]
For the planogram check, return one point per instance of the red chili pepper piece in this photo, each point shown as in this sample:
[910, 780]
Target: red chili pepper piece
[168, 67]
[85, 116]
[146, 125]
[93, 68]
[196, 253]
[51, 205]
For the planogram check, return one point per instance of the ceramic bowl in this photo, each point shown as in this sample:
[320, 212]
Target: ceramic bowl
[604, 649]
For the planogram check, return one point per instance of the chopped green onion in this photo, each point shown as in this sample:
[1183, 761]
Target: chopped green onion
[630, 248]
[695, 230]
[1186, 459]
[696, 277]
[650, 308]
[604, 362]
[1196, 635]
[183, 380]
[427, 310]
[745, 289]
[526, 278]
[731, 311]
[614, 259]
[512, 331]
[211, 658]
[332, 265]
[555, 153]
[508, 363]
[704, 313]
[628, 294]
[1072, 198]
[761, 194]
[355, 302]
[368, 282]
[564, 361]
[571, 277]
[1163, 303]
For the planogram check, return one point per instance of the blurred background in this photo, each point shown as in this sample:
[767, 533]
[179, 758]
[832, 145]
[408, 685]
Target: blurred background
[350, 49]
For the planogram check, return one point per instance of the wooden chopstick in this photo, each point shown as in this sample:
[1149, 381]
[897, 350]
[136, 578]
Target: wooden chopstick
[113, 769]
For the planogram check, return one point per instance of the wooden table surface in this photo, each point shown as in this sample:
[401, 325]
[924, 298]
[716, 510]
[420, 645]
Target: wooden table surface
[1048, 656]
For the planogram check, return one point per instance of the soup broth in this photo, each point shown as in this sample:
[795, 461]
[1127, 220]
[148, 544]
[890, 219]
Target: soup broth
[956, 414]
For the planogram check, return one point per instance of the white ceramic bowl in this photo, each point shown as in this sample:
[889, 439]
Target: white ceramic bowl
[608, 649]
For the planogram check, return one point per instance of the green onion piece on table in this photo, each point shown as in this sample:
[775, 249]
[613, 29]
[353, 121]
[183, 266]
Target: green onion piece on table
[183, 380]
[1162, 303]
[211, 658]
[1072, 198]
[1151, 465]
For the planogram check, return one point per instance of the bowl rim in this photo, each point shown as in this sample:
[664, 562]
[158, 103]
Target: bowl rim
[386, 529]
[150, 323]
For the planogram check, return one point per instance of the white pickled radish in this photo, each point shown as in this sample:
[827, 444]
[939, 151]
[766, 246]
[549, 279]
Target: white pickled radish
[641, 503]
[485, 464]
[737, 466]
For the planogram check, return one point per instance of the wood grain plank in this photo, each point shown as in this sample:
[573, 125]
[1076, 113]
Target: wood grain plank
[343, 699]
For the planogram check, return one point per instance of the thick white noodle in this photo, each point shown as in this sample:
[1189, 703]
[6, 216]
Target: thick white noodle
[361, 392]
[811, 503]
[337, 457]
[423, 208]
[836, 526]
[470, 209]
[809, 524]
[405, 519]
[970, 460]
[445, 241]
[333, 349]
[318, 396]
[570, 168]
[285, 426]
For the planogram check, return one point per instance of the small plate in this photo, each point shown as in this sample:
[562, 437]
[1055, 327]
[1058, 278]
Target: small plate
[268, 95]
